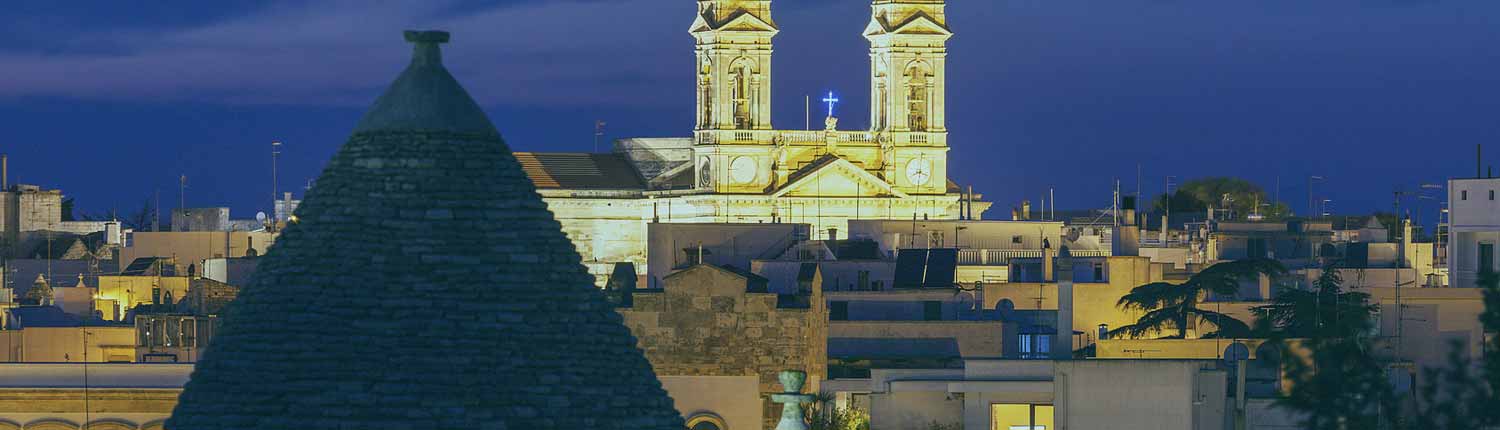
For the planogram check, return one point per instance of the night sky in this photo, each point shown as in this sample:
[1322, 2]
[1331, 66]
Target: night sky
[111, 101]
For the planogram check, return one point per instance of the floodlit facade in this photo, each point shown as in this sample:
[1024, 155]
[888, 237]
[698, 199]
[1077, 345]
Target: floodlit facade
[738, 168]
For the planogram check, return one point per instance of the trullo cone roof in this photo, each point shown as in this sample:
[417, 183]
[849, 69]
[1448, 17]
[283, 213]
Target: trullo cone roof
[426, 287]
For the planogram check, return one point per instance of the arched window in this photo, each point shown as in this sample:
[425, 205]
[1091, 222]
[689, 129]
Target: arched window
[882, 96]
[1263, 377]
[918, 91]
[742, 93]
[706, 93]
[706, 421]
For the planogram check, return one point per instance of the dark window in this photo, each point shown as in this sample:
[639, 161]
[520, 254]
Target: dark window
[1492, 194]
[1098, 272]
[1486, 257]
[1257, 248]
[1016, 239]
[1463, 195]
[838, 311]
[932, 311]
[864, 280]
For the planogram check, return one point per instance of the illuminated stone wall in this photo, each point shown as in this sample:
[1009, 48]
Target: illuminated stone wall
[704, 323]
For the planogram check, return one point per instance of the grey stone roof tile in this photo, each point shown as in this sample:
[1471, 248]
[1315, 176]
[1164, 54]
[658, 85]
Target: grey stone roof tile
[426, 286]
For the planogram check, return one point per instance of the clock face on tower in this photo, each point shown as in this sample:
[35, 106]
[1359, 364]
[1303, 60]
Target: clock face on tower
[705, 173]
[742, 170]
[919, 171]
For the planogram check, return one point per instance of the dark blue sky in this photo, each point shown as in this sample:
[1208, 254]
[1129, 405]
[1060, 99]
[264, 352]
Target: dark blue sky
[113, 100]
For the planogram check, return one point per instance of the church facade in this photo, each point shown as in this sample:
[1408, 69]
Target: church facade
[738, 168]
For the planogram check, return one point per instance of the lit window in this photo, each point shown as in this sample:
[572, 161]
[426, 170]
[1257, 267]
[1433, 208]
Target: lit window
[1036, 346]
[1022, 416]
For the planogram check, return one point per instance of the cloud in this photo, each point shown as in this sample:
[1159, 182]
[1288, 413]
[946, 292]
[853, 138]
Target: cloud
[550, 53]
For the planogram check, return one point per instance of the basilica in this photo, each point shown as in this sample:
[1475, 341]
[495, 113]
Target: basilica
[738, 168]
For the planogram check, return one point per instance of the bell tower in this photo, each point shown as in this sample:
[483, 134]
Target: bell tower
[908, 63]
[733, 64]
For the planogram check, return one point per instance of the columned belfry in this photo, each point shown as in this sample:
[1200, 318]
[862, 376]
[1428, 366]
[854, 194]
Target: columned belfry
[908, 59]
[737, 168]
[734, 64]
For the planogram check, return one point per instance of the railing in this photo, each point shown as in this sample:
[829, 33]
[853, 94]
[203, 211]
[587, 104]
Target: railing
[1002, 257]
[802, 136]
[715, 137]
[854, 137]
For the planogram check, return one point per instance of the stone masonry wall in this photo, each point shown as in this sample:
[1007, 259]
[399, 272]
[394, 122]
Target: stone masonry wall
[705, 324]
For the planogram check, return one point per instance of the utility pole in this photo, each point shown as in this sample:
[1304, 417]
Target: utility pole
[275, 188]
[1311, 203]
[182, 192]
[1400, 255]
[156, 212]
[598, 132]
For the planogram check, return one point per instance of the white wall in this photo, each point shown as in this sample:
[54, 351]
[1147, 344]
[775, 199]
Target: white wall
[1473, 218]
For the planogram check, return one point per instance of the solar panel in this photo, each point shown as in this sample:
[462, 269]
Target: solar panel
[910, 268]
[941, 265]
[140, 266]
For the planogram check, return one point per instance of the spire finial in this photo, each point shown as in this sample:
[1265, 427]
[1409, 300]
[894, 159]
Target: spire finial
[425, 50]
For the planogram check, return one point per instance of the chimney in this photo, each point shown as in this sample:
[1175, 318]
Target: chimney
[970, 206]
[1026, 210]
[1402, 247]
[1062, 342]
[1127, 232]
[1166, 228]
[1046, 262]
[4, 172]
[1478, 160]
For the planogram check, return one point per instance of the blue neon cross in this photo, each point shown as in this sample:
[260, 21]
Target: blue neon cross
[831, 100]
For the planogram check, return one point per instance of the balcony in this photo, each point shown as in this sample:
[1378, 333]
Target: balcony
[1002, 257]
[816, 137]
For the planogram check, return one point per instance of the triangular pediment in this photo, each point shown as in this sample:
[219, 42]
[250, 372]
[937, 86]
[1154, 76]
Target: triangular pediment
[740, 21]
[700, 23]
[918, 24]
[832, 176]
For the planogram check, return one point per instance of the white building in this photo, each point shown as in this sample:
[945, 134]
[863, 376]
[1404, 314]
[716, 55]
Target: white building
[1473, 227]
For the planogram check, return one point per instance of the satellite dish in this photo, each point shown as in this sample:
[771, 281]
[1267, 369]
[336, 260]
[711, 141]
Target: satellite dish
[261, 217]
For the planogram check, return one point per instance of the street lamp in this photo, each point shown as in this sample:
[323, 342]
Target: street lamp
[275, 190]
